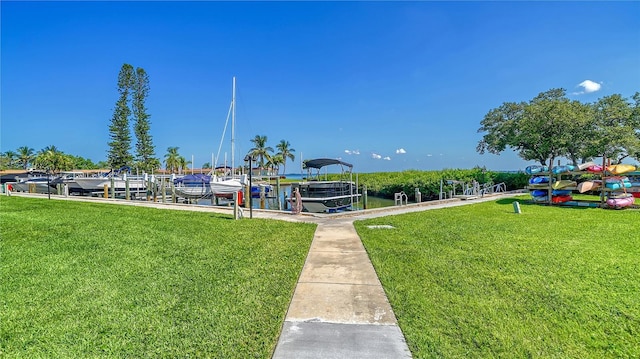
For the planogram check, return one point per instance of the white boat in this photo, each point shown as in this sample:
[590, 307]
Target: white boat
[68, 179]
[319, 196]
[226, 186]
[34, 185]
[114, 178]
[193, 186]
[221, 186]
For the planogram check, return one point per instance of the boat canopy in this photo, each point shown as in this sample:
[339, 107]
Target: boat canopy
[321, 162]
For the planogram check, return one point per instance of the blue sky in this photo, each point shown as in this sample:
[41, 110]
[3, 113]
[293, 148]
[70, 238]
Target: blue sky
[387, 86]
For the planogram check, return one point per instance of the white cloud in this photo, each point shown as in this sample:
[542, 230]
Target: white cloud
[400, 151]
[387, 158]
[588, 86]
[350, 152]
[429, 155]
[376, 156]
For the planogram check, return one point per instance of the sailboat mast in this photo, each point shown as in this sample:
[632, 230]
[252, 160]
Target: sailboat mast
[233, 127]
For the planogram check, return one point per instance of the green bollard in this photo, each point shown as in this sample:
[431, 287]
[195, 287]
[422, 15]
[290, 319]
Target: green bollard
[516, 207]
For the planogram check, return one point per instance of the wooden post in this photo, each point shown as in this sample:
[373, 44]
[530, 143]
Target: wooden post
[106, 191]
[162, 188]
[174, 199]
[154, 188]
[127, 195]
[148, 190]
[278, 192]
[113, 188]
[364, 197]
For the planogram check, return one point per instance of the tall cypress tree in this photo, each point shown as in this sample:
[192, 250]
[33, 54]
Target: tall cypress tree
[145, 152]
[120, 145]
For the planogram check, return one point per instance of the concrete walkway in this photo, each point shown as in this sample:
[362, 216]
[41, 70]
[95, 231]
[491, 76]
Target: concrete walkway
[339, 308]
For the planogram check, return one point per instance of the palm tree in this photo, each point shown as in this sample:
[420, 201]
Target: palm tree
[261, 150]
[25, 156]
[9, 158]
[285, 151]
[53, 160]
[172, 159]
[275, 162]
[184, 164]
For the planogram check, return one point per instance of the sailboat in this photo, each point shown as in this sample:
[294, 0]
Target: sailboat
[227, 185]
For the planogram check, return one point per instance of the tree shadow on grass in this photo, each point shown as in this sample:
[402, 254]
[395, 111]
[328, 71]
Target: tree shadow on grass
[221, 216]
[504, 201]
[528, 202]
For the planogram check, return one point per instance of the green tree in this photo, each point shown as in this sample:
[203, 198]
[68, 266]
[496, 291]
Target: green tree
[82, 163]
[120, 145]
[285, 152]
[615, 129]
[52, 160]
[8, 159]
[145, 151]
[275, 161]
[579, 133]
[25, 156]
[260, 150]
[538, 130]
[183, 164]
[635, 120]
[172, 160]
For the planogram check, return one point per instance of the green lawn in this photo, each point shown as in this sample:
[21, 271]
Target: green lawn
[480, 281]
[84, 280]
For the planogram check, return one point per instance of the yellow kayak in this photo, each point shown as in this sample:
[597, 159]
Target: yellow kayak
[563, 184]
[618, 169]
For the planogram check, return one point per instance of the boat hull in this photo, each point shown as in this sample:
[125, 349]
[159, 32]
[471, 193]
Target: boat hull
[326, 196]
[97, 184]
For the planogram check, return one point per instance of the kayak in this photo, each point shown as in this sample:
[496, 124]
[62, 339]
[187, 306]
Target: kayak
[620, 202]
[586, 165]
[616, 195]
[539, 193]
[618, 185]
[594, 169]
[538, 179]
[563, 169]
[536, 169]
[541, 199]
[563, 183]
[589, 186]
[561, 199]
[616, 179]
[622, 168]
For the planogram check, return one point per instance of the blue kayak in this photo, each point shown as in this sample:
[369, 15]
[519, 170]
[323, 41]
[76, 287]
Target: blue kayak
[538, 179]
[536, 169]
